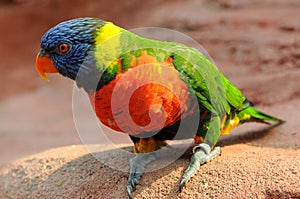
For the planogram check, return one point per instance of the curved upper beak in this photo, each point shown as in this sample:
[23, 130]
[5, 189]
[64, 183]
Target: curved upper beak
[44, 65]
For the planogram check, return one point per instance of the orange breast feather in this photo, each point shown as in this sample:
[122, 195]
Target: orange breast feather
[147, 97]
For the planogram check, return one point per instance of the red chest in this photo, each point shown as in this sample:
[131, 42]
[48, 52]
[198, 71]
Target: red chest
[143, 99]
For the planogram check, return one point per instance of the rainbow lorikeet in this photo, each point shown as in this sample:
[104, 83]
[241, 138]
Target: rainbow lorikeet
[168, 83]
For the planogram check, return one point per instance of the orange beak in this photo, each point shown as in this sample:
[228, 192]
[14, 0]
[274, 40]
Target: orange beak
[44, 65]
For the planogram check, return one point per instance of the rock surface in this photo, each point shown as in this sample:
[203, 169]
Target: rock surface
[242, 171]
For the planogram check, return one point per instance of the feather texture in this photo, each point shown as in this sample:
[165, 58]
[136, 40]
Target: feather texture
[138, 85]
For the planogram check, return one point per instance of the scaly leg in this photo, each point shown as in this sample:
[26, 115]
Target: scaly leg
[144, 148]
[201, 154]
[137, 166]
[204, 150]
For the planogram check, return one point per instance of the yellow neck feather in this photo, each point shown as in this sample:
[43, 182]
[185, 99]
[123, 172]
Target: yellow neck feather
[108, 46]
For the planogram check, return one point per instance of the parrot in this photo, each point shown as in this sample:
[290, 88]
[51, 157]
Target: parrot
[147, 88]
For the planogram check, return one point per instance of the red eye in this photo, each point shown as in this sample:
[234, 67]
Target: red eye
[63, 48]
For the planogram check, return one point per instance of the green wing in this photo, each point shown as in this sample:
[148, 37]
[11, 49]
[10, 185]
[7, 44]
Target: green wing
[212, 89]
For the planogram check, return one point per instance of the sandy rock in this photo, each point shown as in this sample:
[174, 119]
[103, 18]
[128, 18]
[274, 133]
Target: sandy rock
[242, 171]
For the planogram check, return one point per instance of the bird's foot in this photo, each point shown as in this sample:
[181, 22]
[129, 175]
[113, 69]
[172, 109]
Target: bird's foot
[137, 166]
[201, 154]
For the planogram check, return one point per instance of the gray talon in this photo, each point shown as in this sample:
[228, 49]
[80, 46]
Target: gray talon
[201, 154]
[137, 166]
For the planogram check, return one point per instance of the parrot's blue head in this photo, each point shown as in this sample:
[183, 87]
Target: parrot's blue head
[69, 46]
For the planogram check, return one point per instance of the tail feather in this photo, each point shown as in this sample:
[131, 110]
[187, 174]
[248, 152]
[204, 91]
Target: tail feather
[252, 114]
[247, 114]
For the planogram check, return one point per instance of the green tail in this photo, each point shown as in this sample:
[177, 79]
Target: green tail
[250, 114]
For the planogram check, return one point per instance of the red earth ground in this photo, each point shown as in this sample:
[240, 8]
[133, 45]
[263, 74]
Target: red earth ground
[256, 44]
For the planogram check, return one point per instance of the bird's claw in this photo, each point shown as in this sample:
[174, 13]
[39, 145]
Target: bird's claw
[137, 166]
[133, 180]
[201, 154]
[130, 189]
[181, 184]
